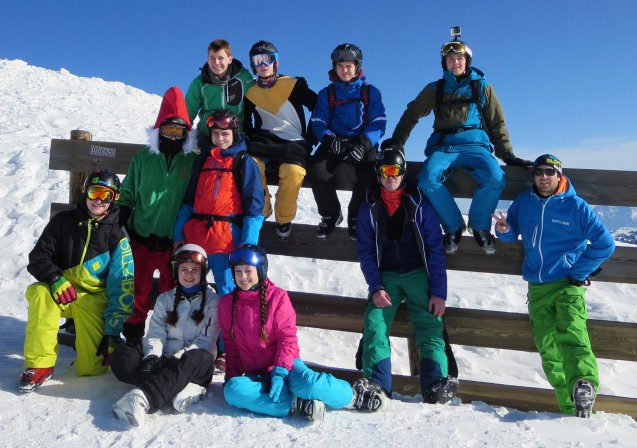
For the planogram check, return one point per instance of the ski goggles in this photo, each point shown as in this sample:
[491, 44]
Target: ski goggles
[386, 171]
[221, 122]
[243, 255]
[539, 172]
[189, 256]
[264, 59]
[456, 47]
[105, 194]
[173, 130]
[343, 55]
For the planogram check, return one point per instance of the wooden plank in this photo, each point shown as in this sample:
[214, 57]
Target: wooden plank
[601, 187]
[517, 397]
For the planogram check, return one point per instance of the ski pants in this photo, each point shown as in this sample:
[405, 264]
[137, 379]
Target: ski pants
[162, 384]
[251, 392]
[41, 340]
[290, 179]
[330, 174]
[481, 165]
[558, 316]
[413, 287]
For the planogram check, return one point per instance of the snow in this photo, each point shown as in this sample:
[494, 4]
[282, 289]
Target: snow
[39, 104]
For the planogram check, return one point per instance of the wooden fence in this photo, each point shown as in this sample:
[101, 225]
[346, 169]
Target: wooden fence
[478, 328]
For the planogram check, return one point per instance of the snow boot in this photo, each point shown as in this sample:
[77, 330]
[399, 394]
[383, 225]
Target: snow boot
[442, 391]
[369, 397]
[283, 231]
[220, 364]
[485, 240]
[132, 407]
[33, 377]
[452, 240]
[192, 393]
[313, 409]
[583, 398]
[327, 225]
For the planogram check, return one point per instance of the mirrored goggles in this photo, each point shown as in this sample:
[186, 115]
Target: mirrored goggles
[344, 55]
[170, 130]
[219, 122]
[94, 192]
[264, 59]
[394, 170]
[456, 47]
[243, 255]
[539, 172]
[189, 256]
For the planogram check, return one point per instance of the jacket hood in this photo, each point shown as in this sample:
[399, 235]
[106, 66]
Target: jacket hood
[233, 69]
[234, 149]
[474, 73]
[153, 141]
[173, 105]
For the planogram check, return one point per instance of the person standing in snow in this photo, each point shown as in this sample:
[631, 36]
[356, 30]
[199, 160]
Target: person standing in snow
[556, 226]
[84, 267]
[222, 84]
[469, 123]
[176, 363]
[151, 195]
[399, 244]
[348, 120]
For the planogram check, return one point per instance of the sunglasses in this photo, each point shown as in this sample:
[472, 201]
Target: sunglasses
[456, 47]
[386, 171]
[189, 256]
[172, 130]
[220, 122]
[106, 195]
[539, 172]
[243, 256]
[264, 59]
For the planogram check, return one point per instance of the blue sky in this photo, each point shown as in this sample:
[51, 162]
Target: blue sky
[563, 70]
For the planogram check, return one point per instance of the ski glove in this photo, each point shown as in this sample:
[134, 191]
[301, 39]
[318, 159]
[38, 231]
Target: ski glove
[149, 363]
[358, 148]
[278, 389]
[62, 291]
[390, 143]
[516, 161]
[335, 145]
[107, 346]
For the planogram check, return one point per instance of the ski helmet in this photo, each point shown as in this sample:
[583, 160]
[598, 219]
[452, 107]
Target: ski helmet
[224, 119]
[347, 53]
[252, 255]
[391, 157]
[190, 253]
[455, 46]
[264, 48]
[104, 178]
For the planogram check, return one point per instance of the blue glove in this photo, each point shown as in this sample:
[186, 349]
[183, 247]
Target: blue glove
[278, 389]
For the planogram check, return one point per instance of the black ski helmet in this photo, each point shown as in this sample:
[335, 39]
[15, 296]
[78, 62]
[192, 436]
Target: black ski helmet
[105, 178]
[252, 255]
[347, 53]
[393, 156]
[455, 46]
[264, 47]
[224, 119]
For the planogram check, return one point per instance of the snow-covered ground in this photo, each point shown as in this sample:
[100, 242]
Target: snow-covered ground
[37, 105]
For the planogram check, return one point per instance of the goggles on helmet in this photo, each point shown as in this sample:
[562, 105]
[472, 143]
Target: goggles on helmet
[172, 130]
[344, 55]
[94, 192]
[216, 122]
[386, 171]
[264, 59]
[243, 256]
[189, 256]
[456, 47]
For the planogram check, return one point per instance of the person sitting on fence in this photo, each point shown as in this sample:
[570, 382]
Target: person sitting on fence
[84, 267]
[150, 198]
[399, 244]
[278, 136]
[222, 84]
[264, 372]
[176, 363]
[468, 123]
[556, 225]
[348, 120]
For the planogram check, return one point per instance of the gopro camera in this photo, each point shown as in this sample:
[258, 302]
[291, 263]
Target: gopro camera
[456, 31]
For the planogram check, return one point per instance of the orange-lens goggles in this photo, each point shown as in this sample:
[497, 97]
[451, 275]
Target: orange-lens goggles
[97, 192]
[170, 130]
[456, 47]
[386, 171]
[192, 256]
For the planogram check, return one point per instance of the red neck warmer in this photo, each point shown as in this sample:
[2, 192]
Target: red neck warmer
[391, 199]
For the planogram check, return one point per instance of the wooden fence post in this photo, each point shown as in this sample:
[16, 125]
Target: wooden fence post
[76, 180]
[414, 356]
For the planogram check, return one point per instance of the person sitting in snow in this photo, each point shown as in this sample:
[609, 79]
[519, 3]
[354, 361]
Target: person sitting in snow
[176, 363]
[151, 195]
[84, 267]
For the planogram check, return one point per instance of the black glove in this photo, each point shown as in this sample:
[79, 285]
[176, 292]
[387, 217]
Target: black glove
[149, 363]
[124, 214]
[335, 145]
[574, 281]
[389, 143]
[107, 346]
[357, 149]
[511, 160]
